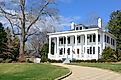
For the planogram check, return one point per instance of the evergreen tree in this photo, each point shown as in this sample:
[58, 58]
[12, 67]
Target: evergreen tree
[3, 39]
[114, 26]
[13, 45]
[44, 52]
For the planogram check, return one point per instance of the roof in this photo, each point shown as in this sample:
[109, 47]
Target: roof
[74, 31]
[85, 29]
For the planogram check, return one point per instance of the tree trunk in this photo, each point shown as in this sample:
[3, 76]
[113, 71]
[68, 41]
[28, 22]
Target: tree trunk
[22, 50]
[22, 45]
[23, 33]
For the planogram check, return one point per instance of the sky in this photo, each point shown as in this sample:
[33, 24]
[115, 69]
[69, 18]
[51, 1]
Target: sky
[82, 11]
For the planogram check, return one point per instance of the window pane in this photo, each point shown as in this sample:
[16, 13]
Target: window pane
[61, 51]
[94, 38]
[98, 37]
[90, 50]
[76, 28]
[87, 51]
[105, 38]
[68, 51]
[64, 40]
[77, 51]
[98, 49]
[90, 38]
[68, 40]
[93, 50]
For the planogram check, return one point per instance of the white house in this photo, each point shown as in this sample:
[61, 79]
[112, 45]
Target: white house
[80, 43]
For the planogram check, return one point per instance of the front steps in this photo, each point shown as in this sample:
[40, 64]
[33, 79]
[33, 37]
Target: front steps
[67, 60]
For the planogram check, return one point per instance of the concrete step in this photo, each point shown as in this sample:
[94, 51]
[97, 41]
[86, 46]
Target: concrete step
[67, 60]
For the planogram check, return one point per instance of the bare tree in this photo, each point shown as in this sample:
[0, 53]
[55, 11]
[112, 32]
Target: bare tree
[23, 14]
[37, 41]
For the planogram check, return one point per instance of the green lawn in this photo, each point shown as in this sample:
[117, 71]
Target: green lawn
[24, 71]
[111, 66]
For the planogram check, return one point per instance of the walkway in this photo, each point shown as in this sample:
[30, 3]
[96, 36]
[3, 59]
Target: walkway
[88, 73]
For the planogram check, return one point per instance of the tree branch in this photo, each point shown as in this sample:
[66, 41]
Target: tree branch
[10, 24]
[3, 11]
[34, 33]
[40, 12]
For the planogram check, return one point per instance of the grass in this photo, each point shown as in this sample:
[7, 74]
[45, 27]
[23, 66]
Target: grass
[110, 66]
[24, 71]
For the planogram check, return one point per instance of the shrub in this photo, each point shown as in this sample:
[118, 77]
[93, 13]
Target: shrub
[90, 61]
[101, 60]
[44, 59]
[7, 61]
[55, 61]
[108, 55]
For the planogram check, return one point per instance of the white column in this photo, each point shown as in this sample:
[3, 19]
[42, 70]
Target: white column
[75, 40]
[85, 54]
[57, 49]
[96, 47]
[66, 54]
[75, 45]
[103, 40]
[49, 47]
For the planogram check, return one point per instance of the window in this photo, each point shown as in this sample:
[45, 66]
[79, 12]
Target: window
[74, 39]
[90, 38]
[78, 39]
[98, 37]
[84, 49]
[83, 38]
[94, 38]
[113, 42]
[68, 40]
[77, 51]
[93, 50]
[64, 50]
[87, 51]
[80, 28]
[61, 40]
[108, 39]
[52, 48]
[98, 49]
[68, 51]
[90, 50]
[76, 28]
[64, 40]
[105, 38]
[61, 51]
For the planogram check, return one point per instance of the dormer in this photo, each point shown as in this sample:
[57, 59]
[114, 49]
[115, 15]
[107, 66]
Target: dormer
[79, 27]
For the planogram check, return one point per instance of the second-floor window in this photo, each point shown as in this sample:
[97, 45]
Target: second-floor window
[94, 37]
[64, 40]
[105, 38]
[61, 40]
[68, 40]
[98, 37]
[78, 39]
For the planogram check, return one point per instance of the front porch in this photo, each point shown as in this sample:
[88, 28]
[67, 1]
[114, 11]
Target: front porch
[75, 46]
